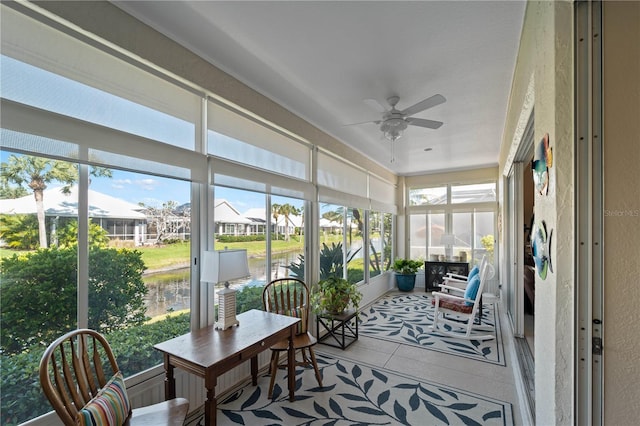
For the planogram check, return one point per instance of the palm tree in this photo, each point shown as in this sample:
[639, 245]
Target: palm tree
[286, 210]
[300, 212]
[36, 173]
[275, 211]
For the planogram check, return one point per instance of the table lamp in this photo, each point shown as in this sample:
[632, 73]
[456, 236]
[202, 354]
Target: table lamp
[225, 266]
[448, 240]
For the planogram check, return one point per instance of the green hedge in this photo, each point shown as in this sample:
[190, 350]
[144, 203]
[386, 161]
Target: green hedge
[39, 294]
[240, 238]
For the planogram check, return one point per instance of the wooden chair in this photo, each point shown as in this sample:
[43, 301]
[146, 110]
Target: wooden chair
[78, 372]
[290, 296]
[462, 310]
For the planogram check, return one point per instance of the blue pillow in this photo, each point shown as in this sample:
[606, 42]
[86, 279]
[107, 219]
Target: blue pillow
[472, 289]
[474, 271]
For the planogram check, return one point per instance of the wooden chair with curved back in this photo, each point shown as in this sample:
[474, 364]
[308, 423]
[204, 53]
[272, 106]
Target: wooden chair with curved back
[290, 296]
[80, 377]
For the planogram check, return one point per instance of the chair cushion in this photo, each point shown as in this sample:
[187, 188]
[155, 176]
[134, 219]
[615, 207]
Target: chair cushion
[453, 305]
[298, 312]
[472, 289]
[474, 271]
[110, 407]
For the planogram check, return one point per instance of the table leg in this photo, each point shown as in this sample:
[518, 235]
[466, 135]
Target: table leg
[254, 370]
[169, 380]
[291, 361]
[210, 408]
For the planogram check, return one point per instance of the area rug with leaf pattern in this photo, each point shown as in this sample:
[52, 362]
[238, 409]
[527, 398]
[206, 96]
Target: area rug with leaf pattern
[406, 318]
[357, 394]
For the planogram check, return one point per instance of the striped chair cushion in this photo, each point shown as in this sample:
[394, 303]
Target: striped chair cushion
[298, 312]
[110, 407]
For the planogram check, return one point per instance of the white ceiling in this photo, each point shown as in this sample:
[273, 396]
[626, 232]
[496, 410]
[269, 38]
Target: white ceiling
[322, 59]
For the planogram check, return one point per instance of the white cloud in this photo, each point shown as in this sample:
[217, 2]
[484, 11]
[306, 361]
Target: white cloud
[147, 184]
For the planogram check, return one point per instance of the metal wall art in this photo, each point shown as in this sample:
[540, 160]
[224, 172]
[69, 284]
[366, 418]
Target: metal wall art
[542, 162]
[541, 248]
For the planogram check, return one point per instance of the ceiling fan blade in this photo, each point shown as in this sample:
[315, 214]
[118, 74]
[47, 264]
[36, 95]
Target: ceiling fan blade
[364, 122]
[373, 103]
[425, 104]
[422, 122]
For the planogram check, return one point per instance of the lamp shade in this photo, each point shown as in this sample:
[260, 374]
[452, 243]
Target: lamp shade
[224, 265]
[448, 239]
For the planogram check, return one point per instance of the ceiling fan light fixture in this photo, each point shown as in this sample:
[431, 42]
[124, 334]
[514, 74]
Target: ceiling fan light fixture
[393, 128]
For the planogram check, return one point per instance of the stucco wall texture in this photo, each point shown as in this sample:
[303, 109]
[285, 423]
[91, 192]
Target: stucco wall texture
[621, 142]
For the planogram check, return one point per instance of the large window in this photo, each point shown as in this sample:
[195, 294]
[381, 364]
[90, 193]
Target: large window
[355, 245]
[344, 240]
[255, 229]
[134, 230]
[453, 221]
[380, 227]
[95, 246]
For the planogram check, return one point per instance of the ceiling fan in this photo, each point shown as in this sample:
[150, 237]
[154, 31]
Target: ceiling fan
[394, 122]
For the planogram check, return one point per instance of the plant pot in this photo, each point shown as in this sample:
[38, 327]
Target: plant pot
[338, 304]
[406, 282]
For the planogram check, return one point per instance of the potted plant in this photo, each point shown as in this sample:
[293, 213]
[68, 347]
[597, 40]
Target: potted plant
[333, 295]
[406, 270]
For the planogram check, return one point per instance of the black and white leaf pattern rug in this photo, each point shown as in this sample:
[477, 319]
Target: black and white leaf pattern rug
[406, 317]
[358, 394]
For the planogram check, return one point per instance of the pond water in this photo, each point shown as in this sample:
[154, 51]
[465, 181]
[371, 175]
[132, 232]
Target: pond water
[171, 290]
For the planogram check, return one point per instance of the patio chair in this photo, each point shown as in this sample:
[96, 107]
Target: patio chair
[460, 281]
[80, 377]
[290, 296]
[455, 314]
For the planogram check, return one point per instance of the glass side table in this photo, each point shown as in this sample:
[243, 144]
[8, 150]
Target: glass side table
[341, 329]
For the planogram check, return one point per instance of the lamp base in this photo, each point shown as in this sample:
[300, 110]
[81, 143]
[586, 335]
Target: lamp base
[226, 323]
[226, 308]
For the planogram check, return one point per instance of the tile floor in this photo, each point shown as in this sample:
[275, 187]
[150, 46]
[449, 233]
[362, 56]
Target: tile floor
[474, 376]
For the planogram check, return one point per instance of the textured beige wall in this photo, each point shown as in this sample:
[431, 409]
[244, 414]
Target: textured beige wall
[621, 83]
[543, 80]
[554, 311]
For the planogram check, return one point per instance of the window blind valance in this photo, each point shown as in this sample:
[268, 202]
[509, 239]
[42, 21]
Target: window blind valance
[238, 138]
[34, 131]
[235, 175]
[339, 176]
[49, 69]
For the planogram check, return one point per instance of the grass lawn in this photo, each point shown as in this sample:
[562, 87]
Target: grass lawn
[178, 255]
[8, 253]
[173, 255]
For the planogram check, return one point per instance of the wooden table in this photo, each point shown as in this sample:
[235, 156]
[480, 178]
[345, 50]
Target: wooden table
[208, 353]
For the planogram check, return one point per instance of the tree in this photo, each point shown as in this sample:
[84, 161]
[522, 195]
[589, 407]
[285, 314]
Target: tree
[68, 235]
[334, 215]
[287, 210]
[36, 173]
[275, 211]
[19, 231]
[7, 191]
[162, 219]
